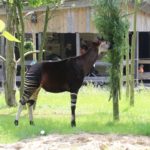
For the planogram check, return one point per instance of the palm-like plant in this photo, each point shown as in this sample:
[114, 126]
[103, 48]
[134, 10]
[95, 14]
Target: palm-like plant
[112, 27]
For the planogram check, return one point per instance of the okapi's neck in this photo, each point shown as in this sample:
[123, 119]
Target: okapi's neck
[89, 59]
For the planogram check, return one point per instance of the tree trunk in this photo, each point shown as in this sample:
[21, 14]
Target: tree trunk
[10, 65]
[115, 92]
[133, 56]
[127, 67]
[19, 6]
[44, 34]
[127, 57]
[115, 108]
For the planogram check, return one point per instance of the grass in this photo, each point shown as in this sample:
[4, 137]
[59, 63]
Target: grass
[94, 115]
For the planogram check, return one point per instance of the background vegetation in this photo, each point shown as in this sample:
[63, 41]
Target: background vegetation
[94, 115]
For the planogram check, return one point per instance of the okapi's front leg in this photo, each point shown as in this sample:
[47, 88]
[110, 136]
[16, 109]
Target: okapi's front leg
[73, 107]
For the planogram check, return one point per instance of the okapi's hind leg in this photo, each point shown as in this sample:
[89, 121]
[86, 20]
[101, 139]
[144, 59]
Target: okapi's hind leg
[73, 107]
[28, 97]
[31, 103]
[16, 122]
[30, 110]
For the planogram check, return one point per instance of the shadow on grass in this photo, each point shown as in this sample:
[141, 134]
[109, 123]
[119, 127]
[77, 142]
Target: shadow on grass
[10, 133]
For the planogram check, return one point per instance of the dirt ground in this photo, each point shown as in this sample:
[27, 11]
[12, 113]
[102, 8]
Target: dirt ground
[81, 142]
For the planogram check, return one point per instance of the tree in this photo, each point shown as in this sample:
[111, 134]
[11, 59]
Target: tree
[51, 5]
[112, 27]
[127, 58]
[20, 34]
[136, 3]
[19, 8]
[14, 11]
[10, 67]
[9, 62]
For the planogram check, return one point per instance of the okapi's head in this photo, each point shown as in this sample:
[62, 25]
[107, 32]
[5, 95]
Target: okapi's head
[102, 45]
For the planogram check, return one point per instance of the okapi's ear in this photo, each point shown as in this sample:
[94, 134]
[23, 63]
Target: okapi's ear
[97, 41]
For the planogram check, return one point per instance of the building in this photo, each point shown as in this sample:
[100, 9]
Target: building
[73, 22]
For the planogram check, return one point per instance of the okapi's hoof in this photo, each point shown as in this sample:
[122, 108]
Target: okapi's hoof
[31, 123]
[16, 122]
[73, 124]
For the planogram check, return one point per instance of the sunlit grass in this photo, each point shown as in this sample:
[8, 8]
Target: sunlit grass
[94, 115]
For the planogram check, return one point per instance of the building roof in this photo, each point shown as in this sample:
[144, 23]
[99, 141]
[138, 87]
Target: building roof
[144, 6]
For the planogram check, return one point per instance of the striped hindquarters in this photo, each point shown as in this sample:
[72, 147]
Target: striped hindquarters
[31, 84]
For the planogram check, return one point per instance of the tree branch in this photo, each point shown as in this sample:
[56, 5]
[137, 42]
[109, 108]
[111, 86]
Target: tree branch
[2, 59]
[28, 53]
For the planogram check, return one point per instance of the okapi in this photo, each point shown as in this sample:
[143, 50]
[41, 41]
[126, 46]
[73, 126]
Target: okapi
[59, 76]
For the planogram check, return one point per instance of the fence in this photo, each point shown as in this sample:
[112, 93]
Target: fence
[18, 77]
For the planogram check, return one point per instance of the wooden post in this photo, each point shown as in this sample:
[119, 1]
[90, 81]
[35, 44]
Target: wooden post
[88, 20]
[137, 59]
[34, 43]
[69, 21]
[77, 44]
[39, 41]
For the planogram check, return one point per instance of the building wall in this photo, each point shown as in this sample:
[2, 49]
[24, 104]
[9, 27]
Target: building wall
[71, 20]
[65, 21]
[143, 22]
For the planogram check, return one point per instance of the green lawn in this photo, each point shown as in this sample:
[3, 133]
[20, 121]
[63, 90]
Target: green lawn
[94, 115]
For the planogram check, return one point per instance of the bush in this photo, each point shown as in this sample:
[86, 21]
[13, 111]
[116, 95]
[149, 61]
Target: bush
[28, 46]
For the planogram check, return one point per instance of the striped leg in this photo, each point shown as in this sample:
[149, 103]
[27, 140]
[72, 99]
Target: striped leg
[73, 107]
[30, 110]
[30, 86]
[32, 101]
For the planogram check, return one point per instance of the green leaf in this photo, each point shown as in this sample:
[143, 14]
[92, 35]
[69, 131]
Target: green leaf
[9, 37]
[11, 1]
[139, 1]
[2, 25]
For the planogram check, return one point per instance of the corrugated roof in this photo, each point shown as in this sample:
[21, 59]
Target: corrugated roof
[145, 6]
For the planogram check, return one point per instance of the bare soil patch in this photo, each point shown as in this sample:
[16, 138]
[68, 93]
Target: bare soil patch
[81, 142]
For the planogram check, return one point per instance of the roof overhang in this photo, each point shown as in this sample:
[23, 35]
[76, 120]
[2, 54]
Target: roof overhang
[144, 6]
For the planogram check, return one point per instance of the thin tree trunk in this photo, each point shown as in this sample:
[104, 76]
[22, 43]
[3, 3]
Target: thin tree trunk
[10, 65]
[127, 67]
[116, 107]
[44, 34]
[127, 59]
[115, 80]
[22, 32]
[121, 78]
[133, 56]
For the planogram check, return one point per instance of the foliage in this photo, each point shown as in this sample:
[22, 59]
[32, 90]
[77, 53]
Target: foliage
[6, 34]
[94, 113]
[112, 27]
[28, 46]
[37, 3]
[9, 37]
